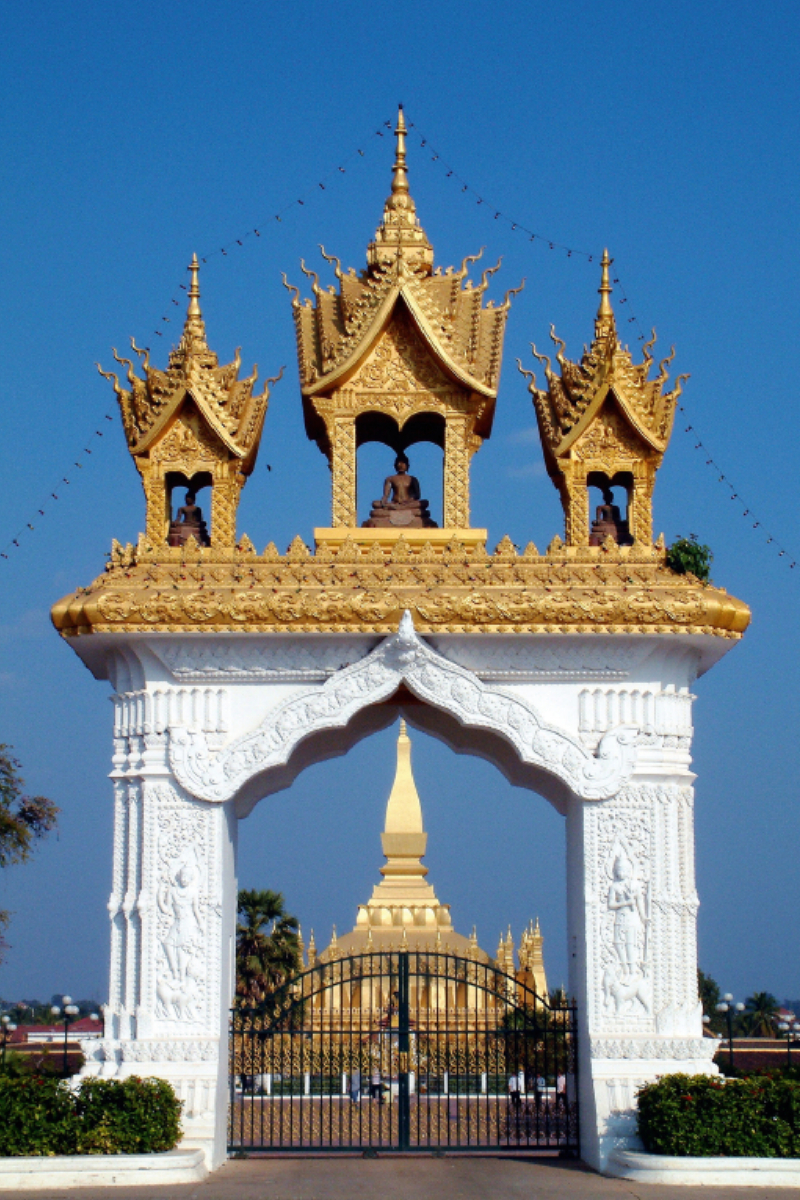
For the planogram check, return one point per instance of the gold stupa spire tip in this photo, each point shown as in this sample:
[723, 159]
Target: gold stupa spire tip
[605, 309]
[194, 289]
[399, 176]
[403, 730]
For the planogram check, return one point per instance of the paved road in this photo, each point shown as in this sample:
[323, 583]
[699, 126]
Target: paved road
[408, 1179]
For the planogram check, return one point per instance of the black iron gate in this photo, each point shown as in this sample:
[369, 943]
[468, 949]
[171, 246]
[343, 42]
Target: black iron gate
[404, 1050]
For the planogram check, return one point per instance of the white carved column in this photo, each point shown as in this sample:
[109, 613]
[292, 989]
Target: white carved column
[632, 914]
[172, 910]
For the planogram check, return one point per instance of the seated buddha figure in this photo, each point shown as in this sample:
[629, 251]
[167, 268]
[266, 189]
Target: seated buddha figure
[188, 523]
[400, 505]
[608, 521]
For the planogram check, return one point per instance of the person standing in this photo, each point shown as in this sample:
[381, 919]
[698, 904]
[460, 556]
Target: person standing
[355, 1085]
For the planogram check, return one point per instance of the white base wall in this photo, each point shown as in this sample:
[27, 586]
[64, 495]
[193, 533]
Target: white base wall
[98, 1170]
[709, 1172]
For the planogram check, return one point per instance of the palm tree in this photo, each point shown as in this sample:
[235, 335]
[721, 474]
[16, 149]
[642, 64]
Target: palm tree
[267, 946]
[761, 1009]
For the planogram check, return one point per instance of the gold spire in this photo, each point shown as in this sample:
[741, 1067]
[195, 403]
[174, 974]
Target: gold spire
[399, 176]
[312, 950]
[400, 242]
[404, 839]
[194, 289]
[605, 313]
[193, 344]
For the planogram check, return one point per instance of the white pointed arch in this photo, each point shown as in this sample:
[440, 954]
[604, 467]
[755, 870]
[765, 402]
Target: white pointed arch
[402, 658]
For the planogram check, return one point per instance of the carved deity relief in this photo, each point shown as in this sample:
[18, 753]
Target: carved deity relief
[620, 845]
[610, 444]
[185, 908]
[627, 982]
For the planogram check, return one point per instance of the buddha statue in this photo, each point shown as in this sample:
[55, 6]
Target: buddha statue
[188, 523]
[608, 521]
[400, 505]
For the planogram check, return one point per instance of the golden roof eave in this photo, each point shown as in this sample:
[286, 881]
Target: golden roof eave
[569, 590]
[383, 315]
[591, 412]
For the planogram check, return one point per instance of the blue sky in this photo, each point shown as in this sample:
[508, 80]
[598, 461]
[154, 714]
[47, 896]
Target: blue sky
[136, 135]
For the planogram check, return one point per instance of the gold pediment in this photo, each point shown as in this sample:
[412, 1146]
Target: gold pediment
[609, 442]
[400, 363]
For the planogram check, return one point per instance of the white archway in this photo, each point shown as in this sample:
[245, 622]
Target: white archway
[206, 725]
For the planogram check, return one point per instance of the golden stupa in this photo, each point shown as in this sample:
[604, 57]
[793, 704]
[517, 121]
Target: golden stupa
[404, 912]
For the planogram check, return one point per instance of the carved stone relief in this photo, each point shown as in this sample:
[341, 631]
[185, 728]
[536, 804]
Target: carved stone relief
[286, 659]
[640, 876]
[403, 657]
[187, 909]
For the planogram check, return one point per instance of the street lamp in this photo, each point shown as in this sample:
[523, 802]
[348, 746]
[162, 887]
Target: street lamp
[792, 1038]
[8, 1027]
[71, 1011]
[728, 1007]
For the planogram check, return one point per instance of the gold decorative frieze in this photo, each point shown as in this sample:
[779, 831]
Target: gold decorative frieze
[365, 588]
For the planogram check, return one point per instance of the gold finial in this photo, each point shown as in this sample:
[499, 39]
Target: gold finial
[194, 289]
[605, 309]
[193, 344]
[403, 732]
[399, 176]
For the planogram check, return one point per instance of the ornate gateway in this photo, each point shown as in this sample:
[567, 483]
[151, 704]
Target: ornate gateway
[571, 670]
[404, 1050]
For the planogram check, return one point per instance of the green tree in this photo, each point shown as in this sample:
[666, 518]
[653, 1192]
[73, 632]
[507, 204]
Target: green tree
[267, 946]
[23, 821]
[687, 556]
[761, 1010]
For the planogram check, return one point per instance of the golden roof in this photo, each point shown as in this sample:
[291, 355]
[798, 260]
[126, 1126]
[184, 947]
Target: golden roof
[442, 313]
[574, 398]
[228, 404]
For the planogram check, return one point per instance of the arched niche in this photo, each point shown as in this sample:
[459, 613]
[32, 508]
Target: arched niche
[423, 429]
[614, 490]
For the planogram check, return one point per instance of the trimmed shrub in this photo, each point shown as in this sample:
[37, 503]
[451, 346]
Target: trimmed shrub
[41, 1116]
[37, 1116]
[705, 1116]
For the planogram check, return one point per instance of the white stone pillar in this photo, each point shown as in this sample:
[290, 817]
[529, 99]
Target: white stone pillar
[632, 917]
[172, 911]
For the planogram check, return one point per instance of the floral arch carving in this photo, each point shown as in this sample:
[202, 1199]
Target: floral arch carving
[402, 658]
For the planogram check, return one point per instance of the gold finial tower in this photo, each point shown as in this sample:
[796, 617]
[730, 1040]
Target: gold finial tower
[192, 426]
[401, 354]
[605, 424]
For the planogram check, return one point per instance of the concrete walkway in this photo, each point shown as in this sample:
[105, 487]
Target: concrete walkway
[388, 1178]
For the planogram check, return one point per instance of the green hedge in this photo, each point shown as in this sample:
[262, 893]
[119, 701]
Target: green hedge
[40, 1115]
[705, 1116]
